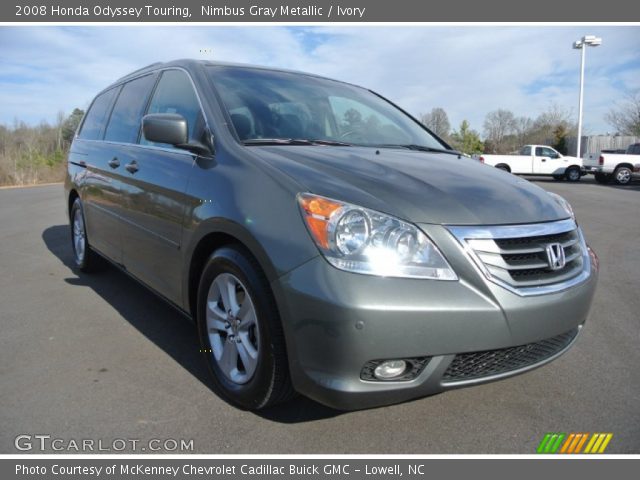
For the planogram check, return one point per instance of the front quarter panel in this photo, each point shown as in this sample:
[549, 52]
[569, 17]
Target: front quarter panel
[235, 197]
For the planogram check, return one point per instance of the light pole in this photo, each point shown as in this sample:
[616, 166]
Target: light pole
[591, 41]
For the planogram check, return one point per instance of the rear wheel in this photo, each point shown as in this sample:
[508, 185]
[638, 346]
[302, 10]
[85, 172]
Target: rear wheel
[622, 175]
[602, 177]
[84, 258]
[504, 167]
[240, 331]
[573, 174]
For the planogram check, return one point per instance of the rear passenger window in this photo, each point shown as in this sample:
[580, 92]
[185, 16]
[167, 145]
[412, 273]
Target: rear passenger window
[175, 94]
[124, 123]
[96, 116]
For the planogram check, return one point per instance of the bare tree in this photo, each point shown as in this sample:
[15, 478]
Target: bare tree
[59, 124]
[523, 128]
[35, 153]
[625, 117]
[548, 122]
[497, 125]
[437, 121]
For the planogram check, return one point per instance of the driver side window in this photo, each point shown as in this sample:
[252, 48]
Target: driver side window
[546, 152]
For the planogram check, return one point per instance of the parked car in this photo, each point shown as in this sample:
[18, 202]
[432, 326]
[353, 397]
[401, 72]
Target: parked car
[614, 166]
[538, 160]
[322, 240]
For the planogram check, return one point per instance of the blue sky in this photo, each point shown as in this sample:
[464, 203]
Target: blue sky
[467, 70]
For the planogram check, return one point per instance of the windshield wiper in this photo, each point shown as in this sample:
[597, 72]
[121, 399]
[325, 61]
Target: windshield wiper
[294, 141]
[422, 148]
[332, 143]
[277, 141]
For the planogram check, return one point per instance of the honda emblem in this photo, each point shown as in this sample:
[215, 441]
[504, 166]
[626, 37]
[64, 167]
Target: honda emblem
[555, 256]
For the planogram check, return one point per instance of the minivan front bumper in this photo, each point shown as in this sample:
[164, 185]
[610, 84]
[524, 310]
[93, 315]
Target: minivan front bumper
[336, 322]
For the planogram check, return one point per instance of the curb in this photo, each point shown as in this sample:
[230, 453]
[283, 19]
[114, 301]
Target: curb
[10, 187]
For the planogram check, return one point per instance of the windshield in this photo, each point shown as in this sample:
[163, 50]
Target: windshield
[266, 105]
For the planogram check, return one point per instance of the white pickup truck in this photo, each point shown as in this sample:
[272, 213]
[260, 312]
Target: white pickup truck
[618, 167]
[538, 160]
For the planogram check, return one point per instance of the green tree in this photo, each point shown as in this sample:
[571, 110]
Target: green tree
[70, 125]
[560, 134]
[467, 140]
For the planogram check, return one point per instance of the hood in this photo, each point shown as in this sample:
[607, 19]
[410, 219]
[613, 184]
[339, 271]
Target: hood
[420, 187]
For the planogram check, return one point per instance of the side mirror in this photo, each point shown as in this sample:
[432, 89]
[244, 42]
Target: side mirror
[168, 128]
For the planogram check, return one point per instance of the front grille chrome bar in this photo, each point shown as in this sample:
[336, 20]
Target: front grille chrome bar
[514, 256]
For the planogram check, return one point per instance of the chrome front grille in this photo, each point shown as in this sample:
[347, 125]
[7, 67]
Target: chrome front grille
[528, 259]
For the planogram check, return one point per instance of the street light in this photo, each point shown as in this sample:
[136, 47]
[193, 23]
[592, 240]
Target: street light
[591, 41]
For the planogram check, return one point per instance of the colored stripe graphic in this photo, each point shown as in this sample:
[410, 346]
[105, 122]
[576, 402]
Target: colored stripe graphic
[598, 443]
[551, 442]
[581, 443]
[572, 443]
[568, 442]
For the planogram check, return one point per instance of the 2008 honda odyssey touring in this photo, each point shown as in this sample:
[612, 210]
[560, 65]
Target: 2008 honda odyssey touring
[323, 240]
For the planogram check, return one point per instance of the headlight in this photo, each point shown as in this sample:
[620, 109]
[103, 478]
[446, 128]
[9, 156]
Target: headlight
[564, 204]
[360, 240]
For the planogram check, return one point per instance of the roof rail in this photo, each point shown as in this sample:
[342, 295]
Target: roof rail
[138, 71]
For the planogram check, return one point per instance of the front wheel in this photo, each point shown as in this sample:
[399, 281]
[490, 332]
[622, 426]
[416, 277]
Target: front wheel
[84, 258]
[240, 331]
[573, 174]
[622, 175]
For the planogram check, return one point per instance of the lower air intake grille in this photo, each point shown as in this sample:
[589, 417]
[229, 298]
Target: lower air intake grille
[468, 366]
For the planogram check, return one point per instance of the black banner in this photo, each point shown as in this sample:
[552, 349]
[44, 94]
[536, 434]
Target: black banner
[354, 11]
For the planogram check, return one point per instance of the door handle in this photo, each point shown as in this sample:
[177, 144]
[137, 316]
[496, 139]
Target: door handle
[544, 159]
[114, 162]
[132, 167]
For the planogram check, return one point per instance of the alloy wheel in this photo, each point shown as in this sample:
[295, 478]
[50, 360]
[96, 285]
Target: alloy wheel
[623, 176]
[79, 238]
[232, 327]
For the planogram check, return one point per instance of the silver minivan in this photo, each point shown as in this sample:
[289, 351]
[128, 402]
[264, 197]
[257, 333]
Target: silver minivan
[322, 239]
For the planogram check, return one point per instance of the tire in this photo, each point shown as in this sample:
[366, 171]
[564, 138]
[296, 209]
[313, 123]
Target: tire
[503, 167]
[558, 178]
[622, 175]
[244, 348]
[573, 174]
[603, 178]
[85, 259]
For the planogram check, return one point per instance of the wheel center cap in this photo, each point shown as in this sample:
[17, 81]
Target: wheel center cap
[233, 323]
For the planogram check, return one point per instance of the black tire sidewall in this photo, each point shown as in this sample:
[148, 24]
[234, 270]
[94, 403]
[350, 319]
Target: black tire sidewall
[570, 171]
[77, 205]
[255, 393]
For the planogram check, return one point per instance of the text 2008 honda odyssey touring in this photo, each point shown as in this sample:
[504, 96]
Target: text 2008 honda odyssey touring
[323, 240]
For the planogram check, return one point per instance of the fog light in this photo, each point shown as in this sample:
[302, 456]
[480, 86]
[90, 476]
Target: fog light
[390, 369]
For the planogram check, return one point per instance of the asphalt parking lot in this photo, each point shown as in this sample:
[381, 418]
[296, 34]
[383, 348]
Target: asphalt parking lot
[100, 357]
